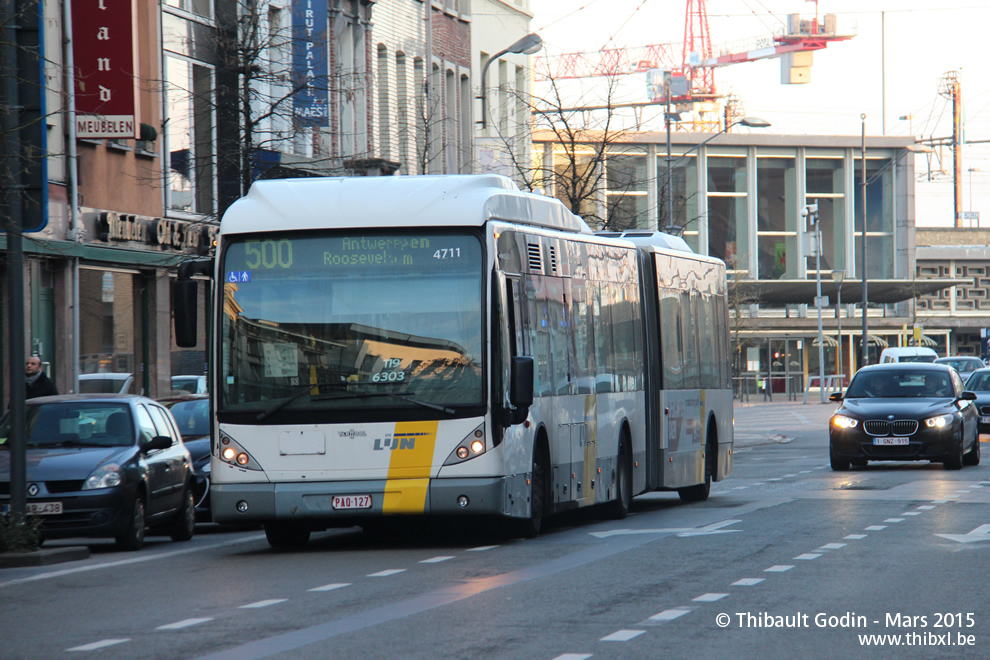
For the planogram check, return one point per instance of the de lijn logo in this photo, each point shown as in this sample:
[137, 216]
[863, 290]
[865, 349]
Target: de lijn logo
[399, 441]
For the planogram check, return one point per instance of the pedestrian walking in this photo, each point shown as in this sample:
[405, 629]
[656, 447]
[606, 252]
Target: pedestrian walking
[38, 384]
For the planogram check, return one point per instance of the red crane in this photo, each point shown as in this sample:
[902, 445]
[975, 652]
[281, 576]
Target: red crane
[691, 65]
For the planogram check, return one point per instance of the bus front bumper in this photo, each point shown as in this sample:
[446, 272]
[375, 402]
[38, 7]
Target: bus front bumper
[325, 502]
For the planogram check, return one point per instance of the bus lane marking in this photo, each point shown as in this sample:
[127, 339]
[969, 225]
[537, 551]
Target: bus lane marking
[809, 556]
[387, 572]
[98, 645]
[622, 636]
[331, 587]
[573, 656]
[670, 615]
[185, 623]
[855, 537]
[262, 603]
[709, 598]
[435, 560]
[779, 568]
[747, 582]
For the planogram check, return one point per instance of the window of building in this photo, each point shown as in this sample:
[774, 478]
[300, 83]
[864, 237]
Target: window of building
[824, 185]
[107, 324]
[626, 183]
[880, 218]
[777, 218]
[189, 94]
[728, 234]
[685, 204]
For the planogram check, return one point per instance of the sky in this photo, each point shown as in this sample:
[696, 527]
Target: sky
[900, 53]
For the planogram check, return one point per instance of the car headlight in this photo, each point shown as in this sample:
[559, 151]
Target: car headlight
[105, 476]
[843, 422]
[938, 422]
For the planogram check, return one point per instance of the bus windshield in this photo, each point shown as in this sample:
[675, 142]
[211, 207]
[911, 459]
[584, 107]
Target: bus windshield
[369, 320]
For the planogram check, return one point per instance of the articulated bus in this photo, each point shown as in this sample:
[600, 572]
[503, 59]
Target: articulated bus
[451, 346]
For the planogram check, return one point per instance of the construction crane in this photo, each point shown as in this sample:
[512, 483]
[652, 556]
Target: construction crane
[686, 70]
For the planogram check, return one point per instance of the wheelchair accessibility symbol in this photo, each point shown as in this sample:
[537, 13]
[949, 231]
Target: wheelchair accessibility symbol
[237, 276]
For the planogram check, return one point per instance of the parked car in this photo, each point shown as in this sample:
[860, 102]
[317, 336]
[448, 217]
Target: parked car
[106, 383]
[979, 382]
[907, 354]
[905, 412]
[103, 465]
[191, 384]
[964, 364]
[192, 415]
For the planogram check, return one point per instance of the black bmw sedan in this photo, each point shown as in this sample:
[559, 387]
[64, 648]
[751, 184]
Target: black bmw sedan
[905, 412]
[103, 465]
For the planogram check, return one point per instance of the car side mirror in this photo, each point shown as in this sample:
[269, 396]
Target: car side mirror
[968, 396]
[157, 442]
[835, 396]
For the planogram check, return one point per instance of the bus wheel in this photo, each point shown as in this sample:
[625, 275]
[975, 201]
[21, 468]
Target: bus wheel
[539, 502]
[286, 535]
[618, 508]
[700, 492]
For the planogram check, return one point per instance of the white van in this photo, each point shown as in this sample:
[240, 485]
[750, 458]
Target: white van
[907, 354]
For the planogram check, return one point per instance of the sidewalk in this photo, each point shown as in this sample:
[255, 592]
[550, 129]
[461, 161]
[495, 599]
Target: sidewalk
[777, 421]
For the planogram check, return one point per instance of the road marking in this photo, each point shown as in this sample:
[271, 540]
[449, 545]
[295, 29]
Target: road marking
[98, 645]
[262, 603]
[894, 520]
[714, 528]
[387, 572]
[573, 656]
[709, 598]
[331, 587]
[184, 624]
[832, 546]
[790, 475]
[929, 507]
[805, 472]
[855, 537]
[775, 479]
[779, 568]
[981, 533]
[622, 636]
[747, 582]
[759, 483]
[911, 513]
[875, 528]
[435, 560]
[481, 548]
[809, 556]
[670, 615]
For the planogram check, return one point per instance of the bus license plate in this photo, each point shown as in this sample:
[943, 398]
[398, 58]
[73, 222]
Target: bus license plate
[352, 501]
[984, 419]
[891, 441]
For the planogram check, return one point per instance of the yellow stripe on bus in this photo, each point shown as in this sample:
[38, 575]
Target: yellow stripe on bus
[409, 467]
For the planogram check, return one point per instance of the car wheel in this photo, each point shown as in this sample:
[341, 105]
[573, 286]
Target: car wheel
[618, 508]
[955, 460]
[286, 535]
[133, 536]
[973, 457]
[838, 463]
[184, 525]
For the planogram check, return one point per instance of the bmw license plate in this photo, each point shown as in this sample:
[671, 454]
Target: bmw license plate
[351, 502]
[891, 441]
[984, 419]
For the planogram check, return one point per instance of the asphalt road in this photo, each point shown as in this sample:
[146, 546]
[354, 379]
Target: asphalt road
[785, 559]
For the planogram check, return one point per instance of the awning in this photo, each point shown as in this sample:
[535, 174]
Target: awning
[776, 293]
[877, 341]
[925, 341]
[828, 340]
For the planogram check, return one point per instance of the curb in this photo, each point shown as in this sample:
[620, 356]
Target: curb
[42, 557]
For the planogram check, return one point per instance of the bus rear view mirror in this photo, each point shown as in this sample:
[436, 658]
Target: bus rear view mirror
[521, 386]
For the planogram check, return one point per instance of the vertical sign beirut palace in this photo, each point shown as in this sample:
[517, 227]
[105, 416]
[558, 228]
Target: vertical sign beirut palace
[105, 76]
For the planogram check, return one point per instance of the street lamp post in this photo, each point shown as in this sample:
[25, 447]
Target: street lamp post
[837, 276]
[750, 122]
[810, 211]
[862, 259]
[527, 45]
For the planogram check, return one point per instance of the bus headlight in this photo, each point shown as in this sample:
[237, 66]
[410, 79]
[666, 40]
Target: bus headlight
[470, 447]
[233, 454]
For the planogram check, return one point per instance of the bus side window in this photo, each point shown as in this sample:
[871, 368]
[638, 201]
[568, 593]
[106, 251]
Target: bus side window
[604, 357]
[670, 336]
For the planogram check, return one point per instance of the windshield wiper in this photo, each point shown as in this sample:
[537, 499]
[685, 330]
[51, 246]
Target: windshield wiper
[405, 396]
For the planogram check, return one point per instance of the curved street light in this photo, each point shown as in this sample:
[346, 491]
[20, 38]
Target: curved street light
[527, 45]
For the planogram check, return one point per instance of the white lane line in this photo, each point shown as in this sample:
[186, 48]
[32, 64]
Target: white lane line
[934, 502]
[790, 475]
[758, 483]
[262, 603]
[98, 645]
[911, 513]
[387, 572]
[805, 472]
[622, 636]
[929, 507]
[832, 546]
[670, 615]
[875, 528]
[184, 624]
[331, 587]
[809, 555]
[573, 656]
[435, 560]
[709, 598]
[481, 548]
[894, 520]
[779, 568]
[855, 537]
[775, 479]
[747, 582]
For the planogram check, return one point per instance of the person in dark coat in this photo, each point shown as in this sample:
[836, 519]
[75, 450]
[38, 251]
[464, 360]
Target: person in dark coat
[38, 384]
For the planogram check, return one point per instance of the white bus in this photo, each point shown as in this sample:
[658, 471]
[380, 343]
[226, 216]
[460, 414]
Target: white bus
[451, 346]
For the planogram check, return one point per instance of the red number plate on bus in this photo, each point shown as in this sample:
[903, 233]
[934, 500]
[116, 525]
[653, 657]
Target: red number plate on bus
[352, 501]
